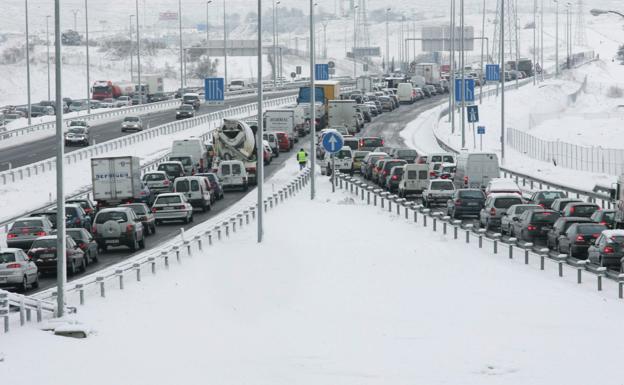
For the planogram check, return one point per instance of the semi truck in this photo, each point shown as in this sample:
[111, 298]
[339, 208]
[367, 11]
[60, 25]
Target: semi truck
[235, 140]
[151, 84]
[116, 180]
[325, 90]
[104, 89]
[281, 119]
[342, 113]
[430, 71]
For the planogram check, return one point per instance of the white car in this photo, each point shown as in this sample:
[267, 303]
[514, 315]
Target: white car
[343, 160]
[132, 123]
[172, 207]
[438, 191]
[123, 101]
[232, 174]
[17, 270]
[502, 186]
[108, 103]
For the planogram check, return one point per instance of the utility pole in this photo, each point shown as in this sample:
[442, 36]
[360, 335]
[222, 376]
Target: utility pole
[556, 38]
[61, 265]
[463, 75]
[452, 57]
[259, 134]
[502, 76]
[75, 12]
[534, 40]
[208, 37]
[542, 42]
[312, 105]
[355, 7]
[387, 42]
[225, 78]
[131, 53]
[182, 57]
[48, 48]
[28, 63]
[482, 43]
[138, 52]
[88, 64]
[274, 47]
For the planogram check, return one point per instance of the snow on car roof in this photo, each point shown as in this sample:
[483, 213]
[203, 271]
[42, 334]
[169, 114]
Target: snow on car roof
[503, 183]
[613, 233]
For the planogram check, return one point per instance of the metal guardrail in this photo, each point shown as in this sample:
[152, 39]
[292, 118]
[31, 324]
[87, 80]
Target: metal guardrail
[119, 274]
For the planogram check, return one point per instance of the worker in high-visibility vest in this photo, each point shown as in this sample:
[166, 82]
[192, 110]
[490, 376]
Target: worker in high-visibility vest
[302, 159]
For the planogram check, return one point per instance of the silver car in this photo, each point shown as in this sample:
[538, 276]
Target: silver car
[513, 215]
[496, 206]
[25, 230]
[132, 123]
[157, 182]
[17, 270]
[172, 207]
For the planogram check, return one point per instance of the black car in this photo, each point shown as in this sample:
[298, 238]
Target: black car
[86, 204]
[43, 252]
[545, 198]
[393, 179]
[465, 202]
[608, 250]
[561, 203]
[604, 217]
[580, 209]
[576, 241]
[85, 241]
[157, 97]
[559, 228]
[215, 185]
[534, 225]
[185, 111]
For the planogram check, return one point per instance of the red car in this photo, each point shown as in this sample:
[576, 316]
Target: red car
[283, 141]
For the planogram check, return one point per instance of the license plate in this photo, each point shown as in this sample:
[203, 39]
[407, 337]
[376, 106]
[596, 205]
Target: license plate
[47, 255]
[168, 209]
[112, 241]
[473, 203]
[3, 279]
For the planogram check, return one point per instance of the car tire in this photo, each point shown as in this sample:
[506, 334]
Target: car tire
[95, 256]
[142, 243]
[72, 268]
[83, 265]
[157, 221]
[191, 218]
[153, 228]
[35, 285]
[23, 286]
[134, 246]
[487, 225]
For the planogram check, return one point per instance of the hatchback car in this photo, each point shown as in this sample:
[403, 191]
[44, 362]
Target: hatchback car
[172, 207]
[513, 214]
[561, 203]
[369, 143]
[86, 204]
[604, 217]
[559, 228]
[465, 202]
[534, 225]
[545, 198]
[145, 215]
[577, 239]
[384, 173]
[173, 169]
[43, 253]
[579, 209]
[358, 156]
[133, 123]
[215, 185]
[368, 163]
[24, 231]
[393, 178]
[17, 270]
[608, 250]
[495, 207]
[157, 181]
[87, 244]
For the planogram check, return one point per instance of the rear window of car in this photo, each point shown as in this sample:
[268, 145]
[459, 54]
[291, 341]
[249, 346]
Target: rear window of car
[169, 168]
[372, 142]
[436, 159]
[185, 160]
[441, 185]
[423, 174]
[407, 153]
[585, 209]
[76, 234]
[27, 223]
[7, 257]
[77, 130]
[167, 200]
[343, 154]
[236, 169]
[352, 144]
[550, 195]
[388, 165]
[139, 209]
[154, 177]
[225, 169]
[44, 244]
[106, 216]
[608, 216]
[619, 239]
[182, 186]
[544, 217]
[474, 194]
[590, 228]
[194, 185]
[212, 178]
[505, 203]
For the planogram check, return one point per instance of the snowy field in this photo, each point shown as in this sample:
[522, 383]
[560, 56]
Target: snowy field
[338, 311]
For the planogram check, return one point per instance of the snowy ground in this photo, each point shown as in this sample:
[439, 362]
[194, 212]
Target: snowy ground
[340, 311]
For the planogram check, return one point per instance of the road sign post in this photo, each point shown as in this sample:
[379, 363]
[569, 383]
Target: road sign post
[214, 90]
[332, 143]
[481, 132]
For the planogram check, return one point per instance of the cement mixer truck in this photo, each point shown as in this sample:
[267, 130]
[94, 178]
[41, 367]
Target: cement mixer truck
[235, 140]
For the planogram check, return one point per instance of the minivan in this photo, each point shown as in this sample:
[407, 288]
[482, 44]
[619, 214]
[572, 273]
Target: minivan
[196, 189]
[476, 169]
[173, 169]
[405, 93]
[232, 174]
[415, 179]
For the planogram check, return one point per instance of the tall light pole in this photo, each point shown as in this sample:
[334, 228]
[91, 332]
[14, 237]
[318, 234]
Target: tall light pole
[556, 38]
[225, 77]
[88, 63]
[387, 42]
[61, 272]
[75, 12]
[131, 53]
[355, 7]
[48, 49]
[312, 105]
[502, 76]
[569, 33]
[542, 41]
[534, 40]
[452, 59]
[259, 134]
[482, 44]
[28, 65]
[276, 60]
[182, 77]
[463, 75]
[208, 35]
[138, 32]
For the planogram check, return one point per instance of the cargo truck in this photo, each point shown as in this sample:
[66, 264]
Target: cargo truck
[430, 71]
[364, 84]
[282, 119]
[116, 180]
[325, 91]
[343, 113]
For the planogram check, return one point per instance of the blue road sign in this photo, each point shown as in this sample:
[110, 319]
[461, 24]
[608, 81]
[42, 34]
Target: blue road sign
[473, 114]
[469, 86]
[480, 130]
[492, 72]
[214, 90]
[321, 72]
[332, 142]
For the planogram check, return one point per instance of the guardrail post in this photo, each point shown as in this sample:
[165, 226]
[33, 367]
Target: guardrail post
[376, 192]
[39, 312]
[197, 239]
[481, 233]
[561, 258]
[468, 230]
[137, 267]
[425, 213]
[28, 315]
[512, 240]
[22, 314]
[543, 253]
[176, 249]
[80, 289]
[399, 203]
[100, 281]
[189, 252]
[434, 218]
[527, 248]
[445, 220]
[580, 266]
[165, 255]
[4, 310]
[496, 238]
[601, 273]
[119, 274]
[415, 208]
[246, 213]
[218, 228]
[152, 262]
[620, 286]
[227, 229]
[383, 196]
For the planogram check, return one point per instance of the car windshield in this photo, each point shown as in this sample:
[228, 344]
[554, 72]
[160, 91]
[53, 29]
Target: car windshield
[505, 203]
[550, 195]
[77, 130]
[167, 200]
[353, 144]
[153, 177]
[7, 257]
[182, 186]
[48, 243]
[590, 228]
[442, 185]
[473, 194]
[131, 119]
[185, 160]
[26, 223]
[544, 217]
[117, 216]
[583, 209]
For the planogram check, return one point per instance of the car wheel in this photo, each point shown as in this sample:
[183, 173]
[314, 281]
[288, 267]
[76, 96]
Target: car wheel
[157, 221]
[24, 285]
[35, 285]
[72, 267]
[134, 246]
[191, 218]
[147, 230]
[83, 265]
[186, 220]
[153, 229]
[142, 243]
[570, 255]
[94, 256]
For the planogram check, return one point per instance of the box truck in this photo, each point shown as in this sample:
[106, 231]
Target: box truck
[116, 180]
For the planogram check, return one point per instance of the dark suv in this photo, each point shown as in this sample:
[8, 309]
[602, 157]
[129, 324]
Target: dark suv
[465, 202]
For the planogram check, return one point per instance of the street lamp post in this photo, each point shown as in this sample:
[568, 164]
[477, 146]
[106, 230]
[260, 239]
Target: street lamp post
[225, 77]
[88, 64]
[534, 40]
[355, 7]
[140, 101]
[542, 41]
[452, 59]
[259, 134]
[208, 36]
[556, 38]
[48, 49]
[502, 77]
[131, 52]
[312, 105]
[387, 42]
[182, 58]
[463, 75]
[28, 65]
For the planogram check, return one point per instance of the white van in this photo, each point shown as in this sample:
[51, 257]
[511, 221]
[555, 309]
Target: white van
[196, 189]
[271, 137]
[476, 169]
[415, 179]
[441, 157]
[343, 161]
[232, 174]
[405, 93]
[193, 147]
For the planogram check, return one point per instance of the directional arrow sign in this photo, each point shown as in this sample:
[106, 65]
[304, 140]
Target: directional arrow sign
[492, 72]
[214, 90]
[332, 142]
[473, 114]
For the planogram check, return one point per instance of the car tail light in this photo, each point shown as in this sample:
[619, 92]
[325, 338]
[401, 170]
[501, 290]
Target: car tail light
[154, 209]
[83, 246]
[382, 143]
[458, 202]
[542, 205]
[41, 233]
[603, 223]
[11, 236]
[93, 229]
[14, 266]
[465, 181]
[571, 210]
[385, 172]
[493, 212]
[394, 177]
[166, 182]
[77, 221]
[129, 228]
[88, 210]
[531, 228]
[580, 239]
[432, 173]
[445, 176]
[608, 250]
[251, 169]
